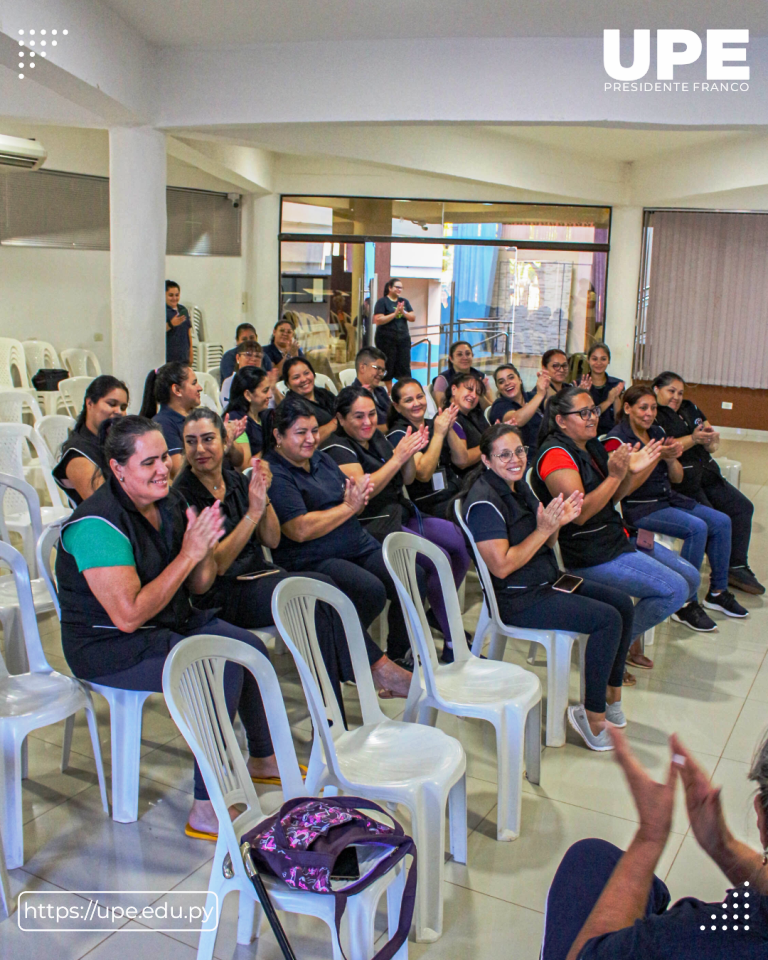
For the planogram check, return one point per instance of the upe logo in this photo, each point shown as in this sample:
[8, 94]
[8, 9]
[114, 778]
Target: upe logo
[677, 48]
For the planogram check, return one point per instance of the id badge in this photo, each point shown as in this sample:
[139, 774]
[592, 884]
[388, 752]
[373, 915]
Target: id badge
[438, 480]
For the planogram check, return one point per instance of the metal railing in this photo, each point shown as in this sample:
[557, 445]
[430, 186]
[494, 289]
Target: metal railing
[429, 353]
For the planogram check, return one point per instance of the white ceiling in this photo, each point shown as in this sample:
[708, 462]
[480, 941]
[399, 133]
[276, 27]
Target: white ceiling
[376, 23]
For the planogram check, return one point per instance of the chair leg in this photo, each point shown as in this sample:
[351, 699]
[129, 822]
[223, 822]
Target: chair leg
[360, 916]
[11, 825]
[90, 716]
[483, 622]
[427, 714]
[497, 645]
[216, 888]
[394, 899]
[558, 676]
[5, 883]
[246, 916]
[582, 641]
[415, 693]
[66, 746]
[429, 834]
[510, 738]
[125, 720]
[315, 767]
[533, 744]
[532, 651]
[457, 820]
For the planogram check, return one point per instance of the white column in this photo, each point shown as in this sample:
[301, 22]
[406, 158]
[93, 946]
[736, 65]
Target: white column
[265, 260]
[621, 297]
[138, 222]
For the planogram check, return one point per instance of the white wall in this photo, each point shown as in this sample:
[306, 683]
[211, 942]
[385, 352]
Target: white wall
[213, 284]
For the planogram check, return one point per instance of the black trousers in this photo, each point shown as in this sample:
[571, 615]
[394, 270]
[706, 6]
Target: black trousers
[397, 351]
[606, 614]
[717, 493]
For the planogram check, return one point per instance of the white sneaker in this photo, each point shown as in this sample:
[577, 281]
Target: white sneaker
[577, 717]
[615, 715]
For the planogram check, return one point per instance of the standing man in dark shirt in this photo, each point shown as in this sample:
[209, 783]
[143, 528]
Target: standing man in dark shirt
[391, 315]
[371, 368]
[178, 326]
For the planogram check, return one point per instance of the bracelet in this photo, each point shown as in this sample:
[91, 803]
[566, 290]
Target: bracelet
[249, 517]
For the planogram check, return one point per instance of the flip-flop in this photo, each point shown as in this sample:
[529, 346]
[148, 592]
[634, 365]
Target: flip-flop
[200, 834]
[276, 781]
[629, 680]
[632, 660]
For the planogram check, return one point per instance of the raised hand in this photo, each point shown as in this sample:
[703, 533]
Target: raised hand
[548, 518]
[265, 468]
[412, 442]
[445, 420]
[510, 417]
[203, 532]
[257, 491]
[702, 801]
[645, 457]
[543, 381]
[234, 429]
[615, 392]
[654, 801]
[585, 382]
[618, 461]
[572, 507]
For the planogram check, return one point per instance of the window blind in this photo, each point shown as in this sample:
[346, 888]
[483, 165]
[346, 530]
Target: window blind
[707, 299]
[202, 223]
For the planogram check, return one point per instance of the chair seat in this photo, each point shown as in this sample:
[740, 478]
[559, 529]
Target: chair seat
[396, 754]
[40, 594]
[25, 693]
[476, 681]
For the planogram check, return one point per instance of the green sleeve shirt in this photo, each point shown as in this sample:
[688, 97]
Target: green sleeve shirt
[94, 542]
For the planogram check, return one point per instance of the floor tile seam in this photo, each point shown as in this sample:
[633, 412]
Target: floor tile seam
[674, 682]
[183, 880]
[490, 896]
[754, 679]
[101, 943]
[56, 806]
[72, 750]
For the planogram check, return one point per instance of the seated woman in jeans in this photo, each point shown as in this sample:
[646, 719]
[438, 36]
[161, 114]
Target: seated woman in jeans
[515, 536]
[596, 545]
[606, 903]
[245, 581]
[128, 564]
[655, 506]
[318, 509]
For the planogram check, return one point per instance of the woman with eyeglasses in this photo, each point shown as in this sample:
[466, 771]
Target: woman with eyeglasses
[595, 544]
[655, 506]
[555, 364]
[515, 535]
[517, 407]
[460, 358]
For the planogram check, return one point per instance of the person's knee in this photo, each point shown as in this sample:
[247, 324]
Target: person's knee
[589, 856]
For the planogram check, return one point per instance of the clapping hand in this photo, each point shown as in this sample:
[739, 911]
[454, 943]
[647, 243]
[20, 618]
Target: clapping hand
[585, 382]
[357, 492]
[572, 507]
[618, 462]
[543, 381]
[203, 532]
[671, 449]
[445, 420]
[654, 801]
[235, 428]
[412, 442]
[548, 518]
[257, 490]
[702, 800]
[615, 392]
[643, 457]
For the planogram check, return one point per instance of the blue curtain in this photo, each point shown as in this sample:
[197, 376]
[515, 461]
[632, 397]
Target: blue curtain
[474, 271]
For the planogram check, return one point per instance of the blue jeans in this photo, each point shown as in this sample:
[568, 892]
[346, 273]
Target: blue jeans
[701, 529]
[661, 582]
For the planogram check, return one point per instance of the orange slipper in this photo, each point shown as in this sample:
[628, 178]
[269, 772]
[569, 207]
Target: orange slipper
[629, 680]
[200, 834]
[276, 781]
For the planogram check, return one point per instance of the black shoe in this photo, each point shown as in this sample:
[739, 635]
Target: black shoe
[727, 603]
[694, 617]
[447, 655]
[406, 661]
[742, 578]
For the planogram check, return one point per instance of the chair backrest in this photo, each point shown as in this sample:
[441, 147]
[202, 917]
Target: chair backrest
[16, 496]
[13, 404]
[487, 413]
[293, 613]
[15, 440]
[210, 397]
[73, 391]
[321, 380]
[347, 377]
[483, 572]
[10, 557]
[196, 319]
[46, 543]
[193, 686]
[431, 410]
[213, 354]
[401, 550]
[80, 362]
[13, 364]
[40, 356]
[54, 429]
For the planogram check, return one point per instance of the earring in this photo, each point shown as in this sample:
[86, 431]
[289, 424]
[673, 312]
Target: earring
[122, 479]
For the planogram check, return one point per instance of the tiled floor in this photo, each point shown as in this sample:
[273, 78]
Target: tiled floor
[712, 690]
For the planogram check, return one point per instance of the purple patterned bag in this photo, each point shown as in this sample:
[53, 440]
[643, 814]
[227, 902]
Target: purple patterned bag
[301, 843]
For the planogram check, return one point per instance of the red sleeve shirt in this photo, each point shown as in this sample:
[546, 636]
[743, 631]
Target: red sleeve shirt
[556, 459]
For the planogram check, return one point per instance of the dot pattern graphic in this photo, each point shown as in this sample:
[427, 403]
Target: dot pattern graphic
[26, 46]
[739, 912]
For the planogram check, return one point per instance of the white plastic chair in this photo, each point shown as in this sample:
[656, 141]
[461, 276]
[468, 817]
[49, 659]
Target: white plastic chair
[209, 384]
[27, 702]
[194, 692]
[730, 469]
[321, 380]
[13, 365]
[5, 883]
[10, 613]
[385, 760]
[15, 403]
[54, 430]
[81, 363]
[556, 643]
[73, 393]
[40, 355]
[505, 695]
[15, 441]
[347, 377]
[431, 410]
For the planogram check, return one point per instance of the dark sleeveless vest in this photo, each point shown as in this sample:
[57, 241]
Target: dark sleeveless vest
[600, 539]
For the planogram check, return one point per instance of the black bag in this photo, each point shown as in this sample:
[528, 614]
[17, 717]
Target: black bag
[49, 378]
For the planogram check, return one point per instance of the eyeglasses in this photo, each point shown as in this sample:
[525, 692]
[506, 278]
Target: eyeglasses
[585, 414]
[520, 453]
[378, 369]
[559, 366]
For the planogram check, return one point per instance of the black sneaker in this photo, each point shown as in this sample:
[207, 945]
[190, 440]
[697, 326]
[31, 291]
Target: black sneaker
[742, 578]
[406, 661]
[694, 617]
[447, 655]
[727, 603]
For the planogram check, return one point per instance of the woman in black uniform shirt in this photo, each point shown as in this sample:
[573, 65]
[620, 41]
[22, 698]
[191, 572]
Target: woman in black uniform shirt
[249, 397]
[460, 357]
[702, 479]
[299, 378]
[515, 535]
[464, 439]
[517, 407]
[391, 316]
[81, 465]
[249, 522]
[604, 390]
[318, 509]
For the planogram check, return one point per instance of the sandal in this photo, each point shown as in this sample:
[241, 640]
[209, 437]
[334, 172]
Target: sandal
[200, 834]
[629, 680]
[639, 660]
[276, 781]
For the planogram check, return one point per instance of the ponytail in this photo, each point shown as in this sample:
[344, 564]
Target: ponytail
[157, 386]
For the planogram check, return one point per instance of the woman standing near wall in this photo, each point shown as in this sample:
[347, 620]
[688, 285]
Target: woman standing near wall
[391, 316]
